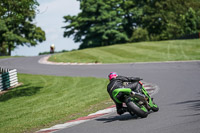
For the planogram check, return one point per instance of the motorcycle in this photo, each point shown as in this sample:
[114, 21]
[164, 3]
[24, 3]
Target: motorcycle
[139, 103]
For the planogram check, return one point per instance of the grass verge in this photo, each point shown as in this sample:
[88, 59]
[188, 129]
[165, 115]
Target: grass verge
[173, 50]
[43, 101]
[5, 57]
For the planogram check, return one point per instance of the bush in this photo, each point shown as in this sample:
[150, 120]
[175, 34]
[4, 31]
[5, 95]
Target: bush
[139, 34]
[45, 53]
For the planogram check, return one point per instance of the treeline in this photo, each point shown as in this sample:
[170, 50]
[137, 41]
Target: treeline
[102, 22]
[17, 26]
[107, 22]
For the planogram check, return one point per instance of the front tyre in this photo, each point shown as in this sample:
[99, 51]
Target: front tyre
[137, 110]
[155, 107]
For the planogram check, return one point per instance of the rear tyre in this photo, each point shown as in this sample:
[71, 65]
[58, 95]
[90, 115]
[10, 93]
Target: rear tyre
[134, 108]
[131, 113]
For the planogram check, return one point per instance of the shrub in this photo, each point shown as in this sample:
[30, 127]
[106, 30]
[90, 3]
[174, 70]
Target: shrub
[139, 34]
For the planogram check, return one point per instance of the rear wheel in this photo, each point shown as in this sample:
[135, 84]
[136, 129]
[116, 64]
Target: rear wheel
[136, 109]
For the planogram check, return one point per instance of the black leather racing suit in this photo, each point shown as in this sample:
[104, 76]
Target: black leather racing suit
[120, 82]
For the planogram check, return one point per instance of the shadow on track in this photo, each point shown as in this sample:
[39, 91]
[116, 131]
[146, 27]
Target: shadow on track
[192, 104]
[123, 117]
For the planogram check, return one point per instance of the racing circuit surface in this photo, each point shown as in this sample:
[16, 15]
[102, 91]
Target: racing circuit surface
[178, 97]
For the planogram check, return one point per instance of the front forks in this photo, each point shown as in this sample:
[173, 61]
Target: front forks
[148, 98]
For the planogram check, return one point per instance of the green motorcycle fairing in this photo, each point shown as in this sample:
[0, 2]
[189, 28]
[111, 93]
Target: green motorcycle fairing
[117, 91]
[150, 102]
[126, 91]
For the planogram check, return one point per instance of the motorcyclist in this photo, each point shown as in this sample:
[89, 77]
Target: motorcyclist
[52, 48]
[117, 82]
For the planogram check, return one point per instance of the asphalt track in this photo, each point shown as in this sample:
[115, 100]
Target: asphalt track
[178, 97]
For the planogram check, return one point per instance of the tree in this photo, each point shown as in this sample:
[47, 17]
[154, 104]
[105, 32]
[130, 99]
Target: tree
[16, 25]
[168, 19]
[98, 24]
[107, 22]
[191, 22]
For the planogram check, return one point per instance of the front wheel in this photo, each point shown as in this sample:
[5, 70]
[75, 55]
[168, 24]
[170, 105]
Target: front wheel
[139, 111]
[155, 109]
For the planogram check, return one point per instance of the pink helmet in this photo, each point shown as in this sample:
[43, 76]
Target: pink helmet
[112, 75]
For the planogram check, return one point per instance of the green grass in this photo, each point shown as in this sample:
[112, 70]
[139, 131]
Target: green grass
[43, 101]
[174, 50]
[4, 57]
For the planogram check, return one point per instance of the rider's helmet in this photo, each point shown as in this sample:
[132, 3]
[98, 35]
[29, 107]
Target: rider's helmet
[112, 75]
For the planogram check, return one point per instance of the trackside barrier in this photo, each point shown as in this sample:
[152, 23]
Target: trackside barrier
[8, 78]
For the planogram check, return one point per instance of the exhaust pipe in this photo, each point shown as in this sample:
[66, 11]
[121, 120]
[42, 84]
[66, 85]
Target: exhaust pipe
[138, 95]
[142, 98]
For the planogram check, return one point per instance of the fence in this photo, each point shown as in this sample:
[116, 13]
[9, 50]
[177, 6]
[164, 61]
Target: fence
[8, 78]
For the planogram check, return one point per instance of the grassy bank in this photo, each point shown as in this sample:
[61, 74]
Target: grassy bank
[174, 50]
[4, 57]
[43, 101]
